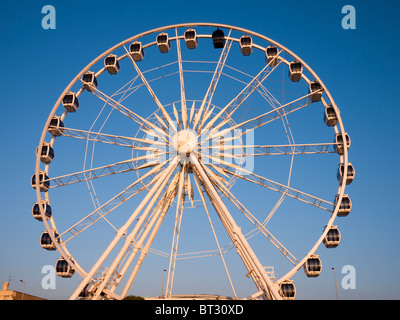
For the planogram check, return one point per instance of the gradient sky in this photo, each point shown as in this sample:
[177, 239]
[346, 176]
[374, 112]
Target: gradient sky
[360, 68]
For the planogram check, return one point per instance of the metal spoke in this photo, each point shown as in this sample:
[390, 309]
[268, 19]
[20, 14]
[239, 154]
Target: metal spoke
[132, 115]
[236, 102]
[205, 105]
[273, 150]
[163, 207]
[270, 184]
[160, 106]
[264, 118]
[129, 192]
[182, 83]
[111, 169]
[176, 232]
[122, 231]
[256, 270]
[107, 138]
[198, 185]
[261, 227]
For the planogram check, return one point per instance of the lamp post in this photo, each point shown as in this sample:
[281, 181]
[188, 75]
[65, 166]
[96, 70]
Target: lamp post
[162, 283]
[23, 290]
[337, 294]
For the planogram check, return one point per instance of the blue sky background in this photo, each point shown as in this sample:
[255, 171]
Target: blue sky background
[360, 68]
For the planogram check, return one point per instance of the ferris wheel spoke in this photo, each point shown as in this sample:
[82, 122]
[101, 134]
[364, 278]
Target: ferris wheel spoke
[157, 101]
[108, 138]
[256, 270]
[263, 119]
[236, 102]
[162, 208]
[198, 185]
[112, 204]
[229, 151]
[149, 199]
[260, 227]
[132, 237]
[111, 169]
[137, 243]
[182, 83]
[132, 115]
[205, 105]
[176, 232]
[275, 186]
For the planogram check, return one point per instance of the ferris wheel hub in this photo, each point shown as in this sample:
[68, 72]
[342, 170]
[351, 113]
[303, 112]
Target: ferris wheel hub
[184, 142]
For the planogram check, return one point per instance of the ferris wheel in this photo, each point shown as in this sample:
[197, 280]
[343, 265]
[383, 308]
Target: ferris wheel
[188, 149]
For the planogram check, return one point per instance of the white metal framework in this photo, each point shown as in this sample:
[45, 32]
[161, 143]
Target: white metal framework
[199, 120]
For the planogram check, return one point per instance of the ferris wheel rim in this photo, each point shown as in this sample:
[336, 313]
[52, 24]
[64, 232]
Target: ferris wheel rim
[344, 157]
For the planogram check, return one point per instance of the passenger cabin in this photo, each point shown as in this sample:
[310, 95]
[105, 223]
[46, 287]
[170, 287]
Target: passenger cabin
[70, 102]
[44, 183]
[89, 81]
[246, 45]
[112, 64]
[63, 269]
[339, 147]
[47, 154]
[163, 42]
[330, 117]
[313, 266]
[190, 38]
[136, 51]
[287, 290]
[332, 237]
[271, 55]
[295, 71]
[218, 38]
[46, 242]
[351, 172]
[315, 89]
[345, 205]
[36, 210]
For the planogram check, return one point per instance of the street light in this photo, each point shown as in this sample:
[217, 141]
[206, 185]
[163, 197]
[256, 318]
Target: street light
[337, 294]
[162, 283]
[23, 290]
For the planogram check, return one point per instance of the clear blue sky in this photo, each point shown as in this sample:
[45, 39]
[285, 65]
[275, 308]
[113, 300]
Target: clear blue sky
[360, 68]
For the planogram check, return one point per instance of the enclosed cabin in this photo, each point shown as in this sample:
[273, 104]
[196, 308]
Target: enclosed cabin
[351, 172]
[313, 266]
[111, 64]
[70, 102]
[271, 55]
[136, 51]
[332, 237]
[44, 183]
[46, 242]
[47, 153]
[287, 290]
[295, 71]
[218, 38]
[246, 45]
[190, 38]
[89, 81]
[36, 210]
[330, 117]
[88, 291]
[56, 126]
[345, 205]
[339, 147]
[163, 42]
[315, 91]
[63, 269]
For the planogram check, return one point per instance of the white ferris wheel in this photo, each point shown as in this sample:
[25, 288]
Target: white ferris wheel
[204, 152]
